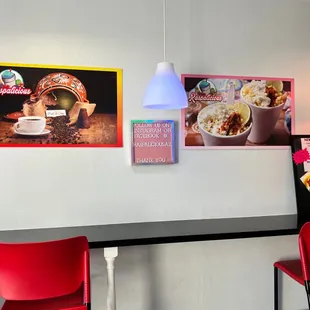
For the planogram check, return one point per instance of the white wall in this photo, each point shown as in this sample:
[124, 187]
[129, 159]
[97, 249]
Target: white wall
[217, 275]
[217, 37]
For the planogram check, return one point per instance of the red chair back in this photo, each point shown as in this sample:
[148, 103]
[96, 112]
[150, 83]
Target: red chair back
[31, 271]
[304, 249]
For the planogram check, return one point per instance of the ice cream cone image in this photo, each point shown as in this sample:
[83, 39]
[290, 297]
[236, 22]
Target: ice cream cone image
[9, 78]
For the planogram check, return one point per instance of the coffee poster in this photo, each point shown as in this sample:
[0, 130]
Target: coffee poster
[237, 112]
[58, 106]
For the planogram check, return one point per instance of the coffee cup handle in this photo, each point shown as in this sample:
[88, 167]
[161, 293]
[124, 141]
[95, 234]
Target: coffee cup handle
[17, 125]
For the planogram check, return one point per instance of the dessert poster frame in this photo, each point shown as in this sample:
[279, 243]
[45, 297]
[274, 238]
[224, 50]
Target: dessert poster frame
[301, 173]
[268, 127]
[60, 106]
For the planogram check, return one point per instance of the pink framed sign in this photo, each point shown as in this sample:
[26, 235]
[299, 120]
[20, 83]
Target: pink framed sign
[237, 112]
[153, 142]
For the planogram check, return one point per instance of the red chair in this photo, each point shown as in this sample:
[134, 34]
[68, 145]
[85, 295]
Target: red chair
[298, 269]
[50, 275]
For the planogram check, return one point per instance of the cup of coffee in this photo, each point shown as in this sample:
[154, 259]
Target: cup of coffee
[31, 124]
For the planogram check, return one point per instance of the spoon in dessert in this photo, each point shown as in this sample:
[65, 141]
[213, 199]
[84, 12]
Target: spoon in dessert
[231, 94]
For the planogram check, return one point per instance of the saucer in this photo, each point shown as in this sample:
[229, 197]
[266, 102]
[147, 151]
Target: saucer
[44, 132]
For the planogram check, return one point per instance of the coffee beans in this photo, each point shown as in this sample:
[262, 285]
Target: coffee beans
[62, 133]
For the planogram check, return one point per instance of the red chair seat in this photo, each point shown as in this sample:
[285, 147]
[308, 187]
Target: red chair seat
[73, 302]
[297, 269]
[292, 268]
[43, 275]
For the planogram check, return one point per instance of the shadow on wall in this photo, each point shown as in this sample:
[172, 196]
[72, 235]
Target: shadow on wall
[136, 279]
[154, 280]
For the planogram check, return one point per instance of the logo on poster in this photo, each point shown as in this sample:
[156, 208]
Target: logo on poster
[12, 83]
[193, 97]
[204, 91]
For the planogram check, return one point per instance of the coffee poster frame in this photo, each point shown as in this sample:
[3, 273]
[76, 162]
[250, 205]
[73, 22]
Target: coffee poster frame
[206, 92]
[60, 106]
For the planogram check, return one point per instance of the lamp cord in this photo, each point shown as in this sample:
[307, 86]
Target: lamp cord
[165, 26]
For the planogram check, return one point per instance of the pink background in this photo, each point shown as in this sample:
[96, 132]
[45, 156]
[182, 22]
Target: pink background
[154, 153]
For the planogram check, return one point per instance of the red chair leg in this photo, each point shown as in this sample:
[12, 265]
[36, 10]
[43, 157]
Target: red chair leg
[307, 286]
[276, 289]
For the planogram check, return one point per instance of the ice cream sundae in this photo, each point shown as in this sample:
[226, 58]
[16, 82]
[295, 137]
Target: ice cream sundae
[221, 124]
[266, 100]
[225, 120]
[263, 94]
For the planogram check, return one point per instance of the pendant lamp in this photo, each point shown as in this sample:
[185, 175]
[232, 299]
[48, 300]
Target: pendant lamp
[165, 91]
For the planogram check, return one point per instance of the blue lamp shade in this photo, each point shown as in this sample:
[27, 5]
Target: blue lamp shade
[165, 91]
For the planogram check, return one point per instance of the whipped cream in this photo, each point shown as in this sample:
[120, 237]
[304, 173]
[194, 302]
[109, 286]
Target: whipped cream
[255, 92]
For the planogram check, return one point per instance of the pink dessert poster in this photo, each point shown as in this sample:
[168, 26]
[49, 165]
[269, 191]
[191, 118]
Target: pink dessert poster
[237, 112]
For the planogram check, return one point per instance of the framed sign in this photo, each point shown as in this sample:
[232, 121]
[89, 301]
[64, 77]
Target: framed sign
[237, 112]
[59, 106]
[301, 167]
[153, 142]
